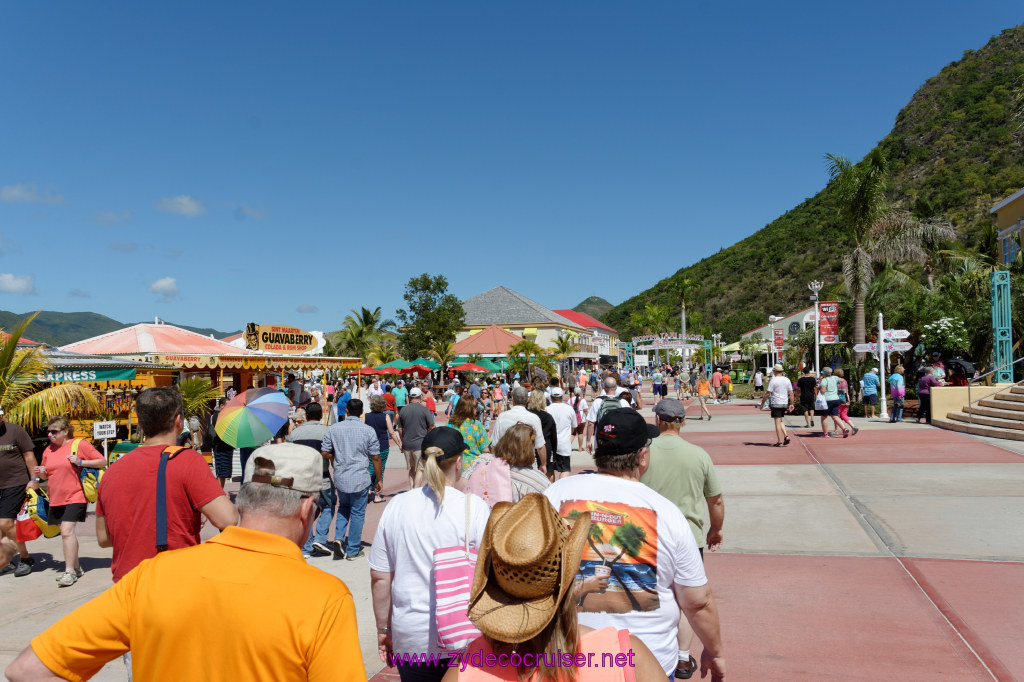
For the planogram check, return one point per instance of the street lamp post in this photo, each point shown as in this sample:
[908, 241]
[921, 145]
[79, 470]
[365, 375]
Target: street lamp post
[815, 286]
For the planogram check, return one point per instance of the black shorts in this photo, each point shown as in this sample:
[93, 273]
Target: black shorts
[222, 463]
[779, 412]
[11, 500]
[871, 399]
[833, 407]
[559, 463]
[67, 512]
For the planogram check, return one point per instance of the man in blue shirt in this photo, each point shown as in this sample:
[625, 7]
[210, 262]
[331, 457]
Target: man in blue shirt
[871, 384]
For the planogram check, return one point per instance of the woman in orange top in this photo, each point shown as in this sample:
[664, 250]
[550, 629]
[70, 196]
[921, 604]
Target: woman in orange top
[703, 395]
[67, 501]
[523, 604]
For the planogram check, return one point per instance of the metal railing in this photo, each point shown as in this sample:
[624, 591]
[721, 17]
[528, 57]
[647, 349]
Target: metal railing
[970, 413]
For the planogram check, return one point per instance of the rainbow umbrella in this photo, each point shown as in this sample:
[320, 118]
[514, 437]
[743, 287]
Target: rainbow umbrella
[253, 417]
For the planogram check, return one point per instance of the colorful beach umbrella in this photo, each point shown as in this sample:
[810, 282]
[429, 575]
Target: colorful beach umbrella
[253, 417]
[427, 362]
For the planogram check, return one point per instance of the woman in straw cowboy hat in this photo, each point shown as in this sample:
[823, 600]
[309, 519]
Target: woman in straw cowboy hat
[413, 525]
[523, 603]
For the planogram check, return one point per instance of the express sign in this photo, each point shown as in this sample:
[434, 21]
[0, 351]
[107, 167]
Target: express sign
[279, 339]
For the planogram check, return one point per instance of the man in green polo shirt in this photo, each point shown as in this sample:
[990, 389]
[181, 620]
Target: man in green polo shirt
[683, 473]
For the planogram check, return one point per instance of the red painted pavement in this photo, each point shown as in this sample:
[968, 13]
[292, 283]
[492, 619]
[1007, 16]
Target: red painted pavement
[832, 618]
[905, 446]
[748, 447]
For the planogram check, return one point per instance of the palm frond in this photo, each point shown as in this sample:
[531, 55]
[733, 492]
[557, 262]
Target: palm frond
[34, 409]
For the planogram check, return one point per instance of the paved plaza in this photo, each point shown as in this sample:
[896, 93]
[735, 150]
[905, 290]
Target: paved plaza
[894, 554]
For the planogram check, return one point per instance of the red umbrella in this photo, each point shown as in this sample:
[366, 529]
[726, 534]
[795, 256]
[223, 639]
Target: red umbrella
[367, 370]
[469, 367]
[419, 370]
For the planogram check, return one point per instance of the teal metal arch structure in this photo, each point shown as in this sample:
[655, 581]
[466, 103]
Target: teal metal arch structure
[1002, 332]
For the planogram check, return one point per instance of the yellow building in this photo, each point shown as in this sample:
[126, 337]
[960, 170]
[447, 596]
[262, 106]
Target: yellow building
[1009, 215]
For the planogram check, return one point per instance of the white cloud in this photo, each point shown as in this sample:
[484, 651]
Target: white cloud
[243, 212]
[17, 284]
[183, 205]
[167, 287]
[113, 217]
[307, 308]
[124, 247]
[26, 193]
[78, 293]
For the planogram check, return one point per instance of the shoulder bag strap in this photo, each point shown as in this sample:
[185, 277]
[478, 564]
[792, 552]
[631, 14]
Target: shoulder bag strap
[161, 496]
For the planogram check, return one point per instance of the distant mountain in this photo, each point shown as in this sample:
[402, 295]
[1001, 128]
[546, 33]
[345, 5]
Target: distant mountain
[595, 306]
[58, 329]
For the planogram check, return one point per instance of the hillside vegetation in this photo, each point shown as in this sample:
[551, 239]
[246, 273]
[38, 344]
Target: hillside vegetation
[954, 151]
[58, 329]
[595, 306]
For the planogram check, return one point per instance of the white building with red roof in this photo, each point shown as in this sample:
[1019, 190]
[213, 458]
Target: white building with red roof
[602, 337]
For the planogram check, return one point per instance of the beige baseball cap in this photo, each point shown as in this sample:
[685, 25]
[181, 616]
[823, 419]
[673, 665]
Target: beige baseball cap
[286, 465]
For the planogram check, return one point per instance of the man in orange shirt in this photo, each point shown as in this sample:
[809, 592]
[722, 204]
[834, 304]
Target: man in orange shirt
[245, 595]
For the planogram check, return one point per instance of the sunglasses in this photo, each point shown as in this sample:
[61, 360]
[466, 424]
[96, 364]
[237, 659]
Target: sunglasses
[52, 431]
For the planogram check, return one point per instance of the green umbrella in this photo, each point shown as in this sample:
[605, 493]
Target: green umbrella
[396, 364]
[488, 365]
[427, 362]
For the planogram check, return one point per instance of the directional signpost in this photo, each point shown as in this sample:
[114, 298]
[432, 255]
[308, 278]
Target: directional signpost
[888, 346]
[896, 334]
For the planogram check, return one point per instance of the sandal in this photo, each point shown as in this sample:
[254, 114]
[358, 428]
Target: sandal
[684, 674]
[786, 442]
[776, 445]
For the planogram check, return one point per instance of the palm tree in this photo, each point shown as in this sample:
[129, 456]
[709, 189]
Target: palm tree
[22, 400]
[353, 340]
[382, 352]
[440, 351]
[370, 321]
[898, 238]
[563, 348]
[196, 395]
[861, 192]
[684, 287]
[534, 355]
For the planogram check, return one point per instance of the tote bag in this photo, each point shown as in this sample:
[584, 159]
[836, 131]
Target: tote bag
[453, 579]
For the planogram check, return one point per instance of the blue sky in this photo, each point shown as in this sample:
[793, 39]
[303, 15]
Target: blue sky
[219, 163]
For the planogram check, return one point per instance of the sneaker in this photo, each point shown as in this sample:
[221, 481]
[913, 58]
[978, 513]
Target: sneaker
[67, 579]
[79, 572]
[9, 568]
[339, 551]
[24, 568]
[353, 557]
[855, 430]
[320, 549]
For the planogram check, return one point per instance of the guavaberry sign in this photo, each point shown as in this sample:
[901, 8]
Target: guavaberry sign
[279, 339]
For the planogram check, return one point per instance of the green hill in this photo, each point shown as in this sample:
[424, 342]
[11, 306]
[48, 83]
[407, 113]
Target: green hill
[595, 306]
[58, 329]
[955, 150]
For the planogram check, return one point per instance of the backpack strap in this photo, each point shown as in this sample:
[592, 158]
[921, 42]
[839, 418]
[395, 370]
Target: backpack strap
[166, 454]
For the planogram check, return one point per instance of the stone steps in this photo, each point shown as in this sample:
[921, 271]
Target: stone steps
[973, 417]
[978, 429]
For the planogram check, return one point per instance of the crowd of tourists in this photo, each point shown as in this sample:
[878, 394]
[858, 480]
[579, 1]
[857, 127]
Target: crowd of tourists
[494, 564]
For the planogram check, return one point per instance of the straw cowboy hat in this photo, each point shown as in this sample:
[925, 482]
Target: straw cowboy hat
[527, 561]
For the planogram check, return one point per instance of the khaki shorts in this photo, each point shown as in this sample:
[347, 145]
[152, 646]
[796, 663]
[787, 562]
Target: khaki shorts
[413, 459]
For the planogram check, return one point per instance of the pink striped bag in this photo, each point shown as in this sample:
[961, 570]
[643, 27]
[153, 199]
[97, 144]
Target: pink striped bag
[453, 580]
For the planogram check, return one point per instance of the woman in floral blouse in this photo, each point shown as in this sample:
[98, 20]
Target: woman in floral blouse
[464, 418]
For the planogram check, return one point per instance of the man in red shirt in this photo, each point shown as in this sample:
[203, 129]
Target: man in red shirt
[716, 384]
[126, 514]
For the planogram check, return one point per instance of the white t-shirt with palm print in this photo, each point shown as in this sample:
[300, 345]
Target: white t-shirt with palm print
[648, 545]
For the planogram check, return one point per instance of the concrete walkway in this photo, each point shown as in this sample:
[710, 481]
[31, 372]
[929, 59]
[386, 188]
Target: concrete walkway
[897, 553]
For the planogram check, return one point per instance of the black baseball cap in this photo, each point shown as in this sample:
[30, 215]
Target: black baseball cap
[445, 437]
[622, 431]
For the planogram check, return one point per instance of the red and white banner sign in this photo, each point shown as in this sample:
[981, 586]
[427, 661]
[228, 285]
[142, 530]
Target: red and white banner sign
[780, 338]
[828, 327]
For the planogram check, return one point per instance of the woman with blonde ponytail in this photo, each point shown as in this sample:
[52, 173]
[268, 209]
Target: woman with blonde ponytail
[414, 524]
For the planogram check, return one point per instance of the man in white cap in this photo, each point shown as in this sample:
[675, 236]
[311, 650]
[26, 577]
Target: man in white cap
[565, 424]
[245, 594]
[780, 392]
